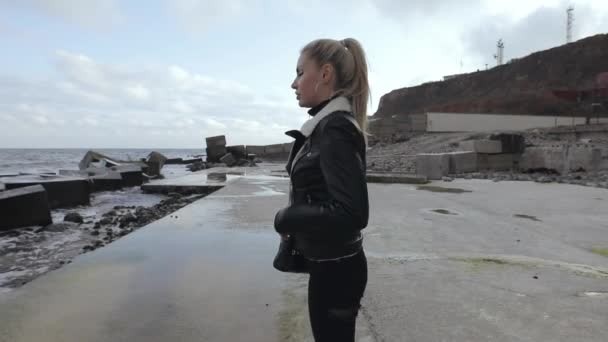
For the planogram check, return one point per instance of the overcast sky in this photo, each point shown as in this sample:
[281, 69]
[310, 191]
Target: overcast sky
[167, 73]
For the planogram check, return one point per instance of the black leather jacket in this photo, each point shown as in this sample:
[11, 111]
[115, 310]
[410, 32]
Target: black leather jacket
[328, 203]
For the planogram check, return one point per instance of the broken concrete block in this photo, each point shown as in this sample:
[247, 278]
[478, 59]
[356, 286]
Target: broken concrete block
[237, 151]
[433, 165]
[228, 159]
[108, 182]
[497, 162]
[583, 158]
[62, 192]
[216, 148]
[511, 143]
[174, 161]
[192, 161]
[481, 146]
[257, 150]
[155, 163]
[535, 158]
[157, 157]
[132, 175]
[215, 153]
[216, 141]
[96, 159]
[26, 206]
[463, 162]
[274, 149]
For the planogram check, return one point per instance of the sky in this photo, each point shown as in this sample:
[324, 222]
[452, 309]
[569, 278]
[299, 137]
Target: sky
[168, 73]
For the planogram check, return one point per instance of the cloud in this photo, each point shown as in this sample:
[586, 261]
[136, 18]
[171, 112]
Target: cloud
[109, 105]
[196, 16]
[97, 15]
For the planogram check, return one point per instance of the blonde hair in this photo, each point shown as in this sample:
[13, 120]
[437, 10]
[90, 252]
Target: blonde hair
[348, 59]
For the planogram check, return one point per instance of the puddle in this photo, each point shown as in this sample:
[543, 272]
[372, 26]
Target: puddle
[529, 217]
[444, 212]
[434, 188]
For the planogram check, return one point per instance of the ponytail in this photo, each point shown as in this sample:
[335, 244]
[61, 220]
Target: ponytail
[358, 89]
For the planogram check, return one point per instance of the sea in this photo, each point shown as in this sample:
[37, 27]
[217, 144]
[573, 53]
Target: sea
[37, 161]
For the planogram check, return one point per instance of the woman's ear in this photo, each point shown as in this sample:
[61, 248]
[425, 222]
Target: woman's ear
[327, 73]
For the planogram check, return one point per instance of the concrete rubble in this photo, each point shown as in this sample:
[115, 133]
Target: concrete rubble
[218, 154]
[132, 171]
[499, 153]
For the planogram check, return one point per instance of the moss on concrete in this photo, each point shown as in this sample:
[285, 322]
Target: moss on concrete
[600, 251]
[477, 263]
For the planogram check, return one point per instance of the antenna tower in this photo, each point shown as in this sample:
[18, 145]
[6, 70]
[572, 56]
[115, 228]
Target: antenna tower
[570, 12]
[500, 52]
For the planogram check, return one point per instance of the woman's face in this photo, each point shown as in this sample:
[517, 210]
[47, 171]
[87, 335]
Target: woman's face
[308, 82]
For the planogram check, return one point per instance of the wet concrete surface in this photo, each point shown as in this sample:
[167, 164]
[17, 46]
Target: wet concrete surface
[489, 273]
[205, 273]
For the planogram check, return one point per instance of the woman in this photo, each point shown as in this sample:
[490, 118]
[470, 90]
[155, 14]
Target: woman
[328, 204]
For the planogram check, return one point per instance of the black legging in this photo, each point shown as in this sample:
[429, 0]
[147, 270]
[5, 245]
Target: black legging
[335, 289]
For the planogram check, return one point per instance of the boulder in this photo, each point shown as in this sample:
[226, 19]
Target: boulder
[73, 217]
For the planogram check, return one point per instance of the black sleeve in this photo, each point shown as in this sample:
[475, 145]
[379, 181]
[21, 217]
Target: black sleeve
[343, 169]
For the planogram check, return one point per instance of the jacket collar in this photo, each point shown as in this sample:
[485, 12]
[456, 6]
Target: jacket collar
[337, 104]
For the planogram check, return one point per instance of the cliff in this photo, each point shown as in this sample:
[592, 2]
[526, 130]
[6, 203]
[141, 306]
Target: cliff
[523, 86]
